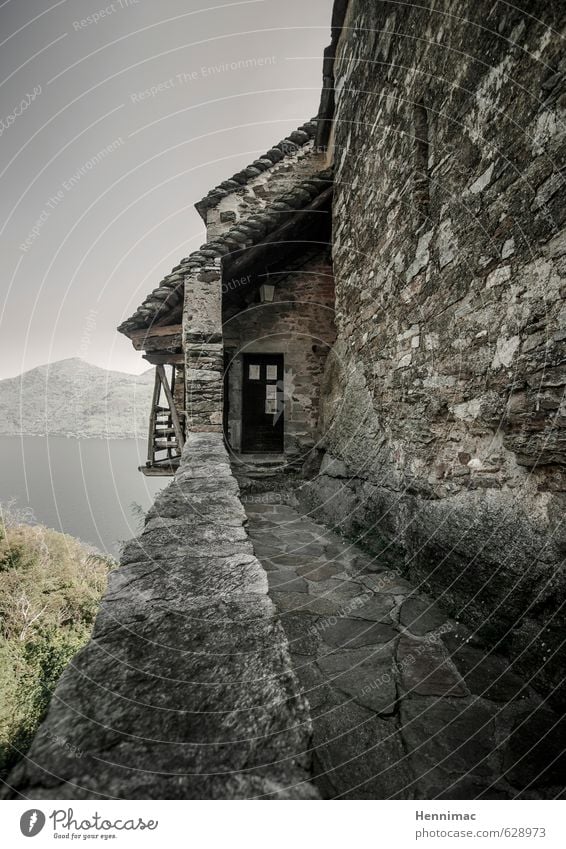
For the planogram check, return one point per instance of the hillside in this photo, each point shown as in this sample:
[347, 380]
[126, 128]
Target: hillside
[50, 587]
[76, 399]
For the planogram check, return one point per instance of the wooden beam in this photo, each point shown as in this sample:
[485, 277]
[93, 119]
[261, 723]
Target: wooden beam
[174, 415]
[166, 330]
[165, 359]
[156, 471]
[157, 338]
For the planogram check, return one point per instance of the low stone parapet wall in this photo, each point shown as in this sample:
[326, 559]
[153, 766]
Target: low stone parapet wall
[185, 689]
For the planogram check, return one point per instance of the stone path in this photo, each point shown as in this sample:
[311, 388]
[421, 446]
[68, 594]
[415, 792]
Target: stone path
[404, 702]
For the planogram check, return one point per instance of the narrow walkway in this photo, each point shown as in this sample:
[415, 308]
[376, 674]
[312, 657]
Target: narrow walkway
[404, 703]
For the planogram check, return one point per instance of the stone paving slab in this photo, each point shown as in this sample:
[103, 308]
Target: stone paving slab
[426, 670]
[358, 753]
[353, 633]
[366, 675]
[404, 702]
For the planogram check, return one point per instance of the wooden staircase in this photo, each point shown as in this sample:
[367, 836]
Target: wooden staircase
[166, 428]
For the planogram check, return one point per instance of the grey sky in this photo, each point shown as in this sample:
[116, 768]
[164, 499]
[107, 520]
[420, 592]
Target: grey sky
[98, 181]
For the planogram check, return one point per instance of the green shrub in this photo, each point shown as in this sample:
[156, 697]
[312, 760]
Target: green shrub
[50, 588]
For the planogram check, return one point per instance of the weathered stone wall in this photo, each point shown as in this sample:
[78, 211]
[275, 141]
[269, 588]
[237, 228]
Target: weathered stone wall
[185, 690]
[202, 345]
[299, 324]
[443, 400]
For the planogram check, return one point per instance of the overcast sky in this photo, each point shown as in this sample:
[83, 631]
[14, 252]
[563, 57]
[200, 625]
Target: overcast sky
[99, 174]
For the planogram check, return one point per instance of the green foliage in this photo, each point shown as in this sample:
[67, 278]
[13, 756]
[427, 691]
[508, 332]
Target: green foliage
[50, 588]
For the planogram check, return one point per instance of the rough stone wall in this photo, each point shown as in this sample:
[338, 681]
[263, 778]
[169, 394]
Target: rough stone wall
[202, 345]
[185, 690]
[299, 324]
[443, 399]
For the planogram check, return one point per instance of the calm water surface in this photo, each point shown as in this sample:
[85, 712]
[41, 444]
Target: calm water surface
[90, 488]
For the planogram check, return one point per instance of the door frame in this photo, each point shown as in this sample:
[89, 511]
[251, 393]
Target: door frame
[246, 358]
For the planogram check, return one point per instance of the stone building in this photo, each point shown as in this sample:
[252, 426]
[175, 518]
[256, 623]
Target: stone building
[380, 304]
[246, 322]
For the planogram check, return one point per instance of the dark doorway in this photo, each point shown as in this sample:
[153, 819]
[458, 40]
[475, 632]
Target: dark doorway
[263, 427]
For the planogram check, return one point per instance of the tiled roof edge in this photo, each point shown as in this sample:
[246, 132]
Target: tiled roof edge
[287, 146]
[244, 234]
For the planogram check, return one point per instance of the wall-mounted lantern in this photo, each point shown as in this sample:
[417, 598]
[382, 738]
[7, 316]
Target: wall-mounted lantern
[266, 292]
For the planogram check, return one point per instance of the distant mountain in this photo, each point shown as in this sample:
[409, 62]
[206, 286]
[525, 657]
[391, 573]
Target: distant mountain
[73, 398]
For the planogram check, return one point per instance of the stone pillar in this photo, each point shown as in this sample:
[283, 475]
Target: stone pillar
[202, 343]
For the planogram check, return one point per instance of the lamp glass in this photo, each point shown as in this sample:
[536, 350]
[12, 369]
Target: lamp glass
[266, 292]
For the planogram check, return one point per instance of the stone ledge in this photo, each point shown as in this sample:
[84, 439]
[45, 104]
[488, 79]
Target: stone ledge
[185, 690]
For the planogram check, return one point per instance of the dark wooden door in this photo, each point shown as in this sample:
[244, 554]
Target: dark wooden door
[263, 426]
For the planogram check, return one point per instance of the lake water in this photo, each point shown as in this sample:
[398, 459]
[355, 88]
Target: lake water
[87, 488]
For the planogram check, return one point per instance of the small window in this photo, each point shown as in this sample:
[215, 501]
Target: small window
[271, 373]
[253, 372]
